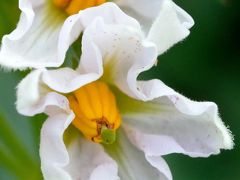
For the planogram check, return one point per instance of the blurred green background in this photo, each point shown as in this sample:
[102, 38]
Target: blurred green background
[206, 66]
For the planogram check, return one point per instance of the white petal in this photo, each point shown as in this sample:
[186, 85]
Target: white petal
[33, 42]
[75, 24]
[172, 123]
[111, 14]
[117, 46]
[144, 11]
[66, 80]
[166, 22]
[124, 53]
[70, 31]
[53, 153]
[80, 159]
[91, 65]
[89, 161]
[33, 97]
[145, 8]
[171, 26]
[132, 163]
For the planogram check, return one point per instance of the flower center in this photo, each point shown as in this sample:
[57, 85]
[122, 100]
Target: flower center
[96, 112]
[74, 6]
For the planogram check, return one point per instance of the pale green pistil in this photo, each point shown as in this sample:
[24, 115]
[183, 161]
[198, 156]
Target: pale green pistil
[108, 135]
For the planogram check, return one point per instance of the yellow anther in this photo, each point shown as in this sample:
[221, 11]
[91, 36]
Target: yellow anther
[74, 6]
[96, 112]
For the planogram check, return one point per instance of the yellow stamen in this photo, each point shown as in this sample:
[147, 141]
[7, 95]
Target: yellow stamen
[96, 112]
[74, 6]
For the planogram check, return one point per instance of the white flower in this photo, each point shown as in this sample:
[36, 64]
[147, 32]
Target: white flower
[104, 123]
[33, 44]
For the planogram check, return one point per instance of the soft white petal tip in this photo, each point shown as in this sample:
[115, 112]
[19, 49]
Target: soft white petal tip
[6, 66]
[227, 136]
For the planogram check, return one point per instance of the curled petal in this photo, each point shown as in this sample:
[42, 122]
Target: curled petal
[171, 26]
[171, 123]
[66, 80]
[91, 65]
[33, 97]
[163, 21]
[119, 50]
[33, 43]
[74, 25]
[111, 14]
[53, 152]
[122, 54]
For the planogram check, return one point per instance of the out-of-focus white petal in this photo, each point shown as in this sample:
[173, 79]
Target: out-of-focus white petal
[33, 42]
[133, 164]
[33, 97]
[171, 123]
[171, 26]
[89, 161]
[79, 159]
